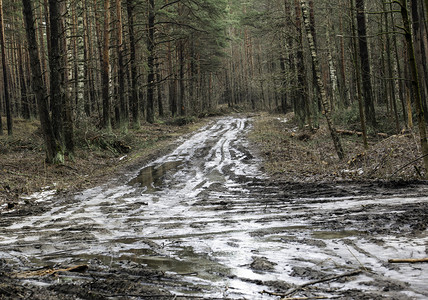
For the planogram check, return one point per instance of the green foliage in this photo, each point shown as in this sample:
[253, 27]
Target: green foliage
[181, 121]
[347, 117]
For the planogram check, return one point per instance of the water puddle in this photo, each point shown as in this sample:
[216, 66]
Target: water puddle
[151, 177]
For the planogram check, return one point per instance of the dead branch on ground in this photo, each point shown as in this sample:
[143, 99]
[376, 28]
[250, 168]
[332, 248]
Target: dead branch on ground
[300, 287]
[409, 260]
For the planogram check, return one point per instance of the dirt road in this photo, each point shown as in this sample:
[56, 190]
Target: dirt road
[203, 221]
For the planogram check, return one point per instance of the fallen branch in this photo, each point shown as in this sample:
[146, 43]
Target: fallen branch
[349, 132]
[408, 164]
[300, 287]
[409, 260]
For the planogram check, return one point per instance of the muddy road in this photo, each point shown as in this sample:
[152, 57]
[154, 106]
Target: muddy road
[203, 221]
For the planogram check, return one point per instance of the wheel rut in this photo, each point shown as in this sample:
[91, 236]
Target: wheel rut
[206, 213]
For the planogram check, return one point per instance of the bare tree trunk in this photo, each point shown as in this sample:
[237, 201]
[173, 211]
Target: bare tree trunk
[132, 49]
[365, 63]
[25, 107]
[159, 91]
[399, 82]
[38, 87]
[150, 117]
[324, 100]
[420, 54]
[181, 99]
[55, 70]
[5, 74]
[415, 83]
[358, 83]
[67, 110]
[303, 105]
[120, 71]
[105, 67]
[390, 72]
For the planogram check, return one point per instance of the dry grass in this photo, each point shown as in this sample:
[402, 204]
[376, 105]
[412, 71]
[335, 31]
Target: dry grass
[295, 154]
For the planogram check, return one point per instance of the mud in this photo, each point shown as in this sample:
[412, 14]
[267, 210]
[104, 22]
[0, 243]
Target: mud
[205, 222]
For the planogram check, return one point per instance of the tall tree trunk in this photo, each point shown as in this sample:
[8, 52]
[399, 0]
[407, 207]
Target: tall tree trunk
[365, 63]
[399, 82]
[66, 100]
[25, 100]
[390, 72]
[426, 11]
[420, 54]
[105, 67]
[314, 34]
[358, 81]
[44, 51]
[5, 74]
[324, 100]
[133, 100]
[55, 69]
[159, 91]
[38, 87]
[86, 67]
[150, 117]
[182, 99]
[302, 107]
[290, 49]
[415, 83]
[120, 71]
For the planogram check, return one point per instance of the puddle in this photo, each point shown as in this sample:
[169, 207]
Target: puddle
[151, 177]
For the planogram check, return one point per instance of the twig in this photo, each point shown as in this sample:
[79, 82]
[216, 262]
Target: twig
[409, 260]
[300, 287]
[406, 165]
[362, 266]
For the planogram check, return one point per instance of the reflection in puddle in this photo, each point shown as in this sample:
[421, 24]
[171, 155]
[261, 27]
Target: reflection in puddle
[151, 177]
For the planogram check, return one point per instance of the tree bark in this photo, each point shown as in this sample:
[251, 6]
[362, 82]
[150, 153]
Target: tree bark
[302, 105]
[365, 64]
[181, 99]
[150, 117]
[132, 49]
[55, 70]
[5, 74]
[38, 87]
[358, 83]
[420, 54]
[120, 71]
[317, 68]
[415, 83]
[66, 105]
[105, 67]
[390, 72]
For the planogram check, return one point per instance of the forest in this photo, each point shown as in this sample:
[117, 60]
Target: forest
[213, 149]
[114, 64]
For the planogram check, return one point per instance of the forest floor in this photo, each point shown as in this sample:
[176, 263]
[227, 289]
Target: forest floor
[299, 162]
[298, 154]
